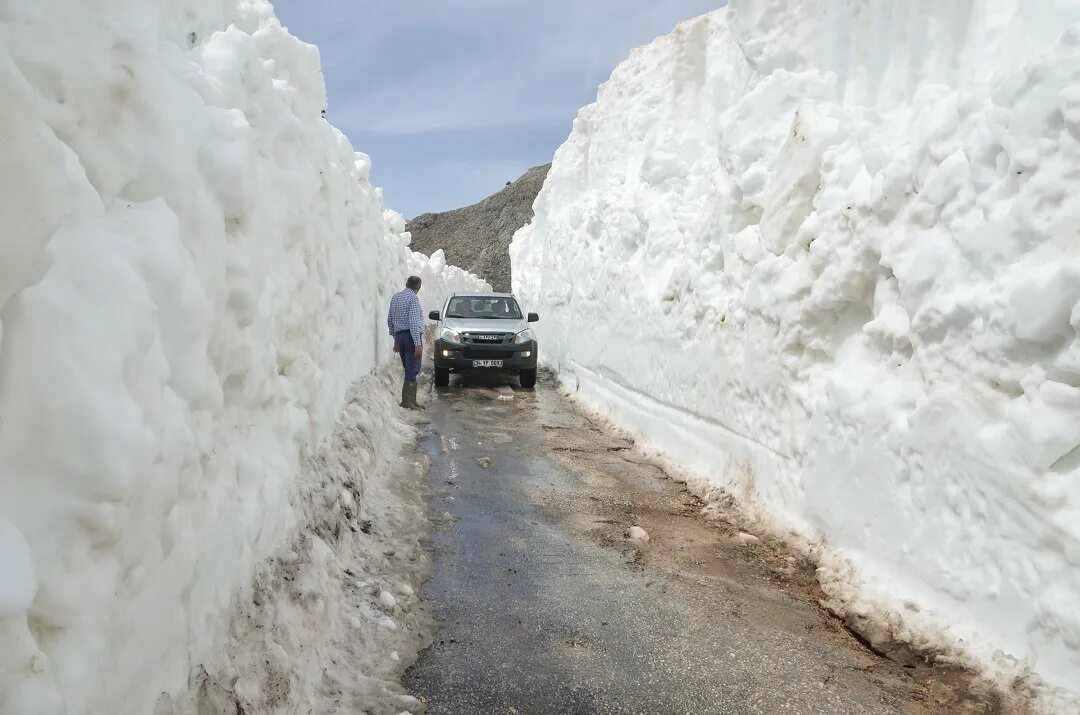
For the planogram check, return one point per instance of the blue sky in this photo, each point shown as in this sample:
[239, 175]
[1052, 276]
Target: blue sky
[453, 98]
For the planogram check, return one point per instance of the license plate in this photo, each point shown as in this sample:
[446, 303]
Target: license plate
[487, 363]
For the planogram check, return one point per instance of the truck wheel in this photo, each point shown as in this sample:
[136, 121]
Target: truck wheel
[442, 376]
[528, 378]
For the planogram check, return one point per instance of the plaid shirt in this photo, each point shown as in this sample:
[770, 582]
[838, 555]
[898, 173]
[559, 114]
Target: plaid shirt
[405, 314]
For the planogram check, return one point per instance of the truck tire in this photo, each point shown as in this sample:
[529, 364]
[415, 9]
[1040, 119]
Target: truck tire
[442, 376]
[528, 378]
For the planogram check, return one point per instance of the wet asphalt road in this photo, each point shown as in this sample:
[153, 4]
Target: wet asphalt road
[547, 608]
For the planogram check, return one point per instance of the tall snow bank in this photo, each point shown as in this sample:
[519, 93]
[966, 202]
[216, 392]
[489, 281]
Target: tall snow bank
[826, 255]
[194, 267]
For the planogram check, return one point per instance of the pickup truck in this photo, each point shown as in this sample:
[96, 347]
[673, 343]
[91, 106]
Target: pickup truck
[484, 331]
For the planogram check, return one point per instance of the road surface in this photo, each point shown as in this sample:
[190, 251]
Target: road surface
[547, 607]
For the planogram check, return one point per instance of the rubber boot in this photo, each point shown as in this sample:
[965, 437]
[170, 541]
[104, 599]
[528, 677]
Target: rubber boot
[404, 395]
[410, 396]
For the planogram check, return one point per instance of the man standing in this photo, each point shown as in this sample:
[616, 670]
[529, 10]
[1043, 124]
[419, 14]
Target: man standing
[406, 323]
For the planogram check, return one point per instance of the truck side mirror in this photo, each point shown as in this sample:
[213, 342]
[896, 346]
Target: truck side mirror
[533, 318]
[434, 315]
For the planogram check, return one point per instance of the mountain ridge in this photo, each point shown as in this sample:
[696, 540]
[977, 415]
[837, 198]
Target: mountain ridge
[477, 237]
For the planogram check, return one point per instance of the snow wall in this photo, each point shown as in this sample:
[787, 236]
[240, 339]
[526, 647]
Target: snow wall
[194, 267]
[825, 254]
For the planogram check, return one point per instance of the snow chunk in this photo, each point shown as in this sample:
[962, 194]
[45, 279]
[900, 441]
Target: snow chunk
[637, 535]
[407, 701]
[387, 600]
[746, 539]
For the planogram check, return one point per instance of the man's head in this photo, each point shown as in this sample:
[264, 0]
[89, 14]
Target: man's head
[413, 284]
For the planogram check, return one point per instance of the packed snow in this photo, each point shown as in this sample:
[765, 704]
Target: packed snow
[310, 632]
[824, 254]
[194, 268]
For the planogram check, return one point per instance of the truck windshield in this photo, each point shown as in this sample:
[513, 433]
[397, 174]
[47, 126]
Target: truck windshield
[483, 307]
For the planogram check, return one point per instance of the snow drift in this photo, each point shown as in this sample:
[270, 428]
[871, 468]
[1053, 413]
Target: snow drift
[194, 267]
[825, 253]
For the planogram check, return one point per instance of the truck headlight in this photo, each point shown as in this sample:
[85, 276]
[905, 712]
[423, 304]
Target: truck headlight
[523, 337]
[450, 335]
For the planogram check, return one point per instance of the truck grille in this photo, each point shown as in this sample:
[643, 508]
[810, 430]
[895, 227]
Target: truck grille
[487, 338]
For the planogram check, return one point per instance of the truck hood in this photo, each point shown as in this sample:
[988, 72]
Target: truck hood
[472, 325]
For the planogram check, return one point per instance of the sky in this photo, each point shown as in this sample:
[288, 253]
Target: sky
[453, 98]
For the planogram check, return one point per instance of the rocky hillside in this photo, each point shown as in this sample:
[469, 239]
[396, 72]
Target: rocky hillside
[477, 237]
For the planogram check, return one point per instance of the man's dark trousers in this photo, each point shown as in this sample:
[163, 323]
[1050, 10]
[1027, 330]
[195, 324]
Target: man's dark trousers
[407, 349]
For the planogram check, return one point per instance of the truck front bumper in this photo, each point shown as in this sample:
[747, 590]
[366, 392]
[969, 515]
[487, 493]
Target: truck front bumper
[450, 356]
